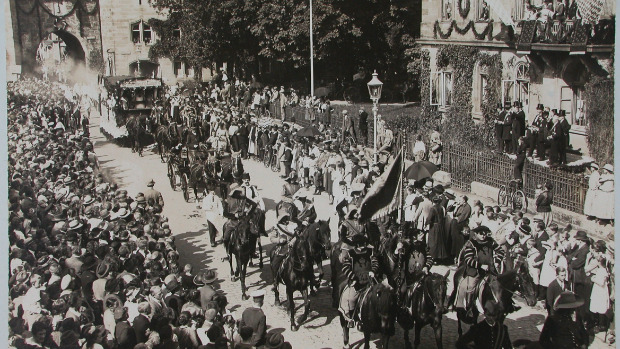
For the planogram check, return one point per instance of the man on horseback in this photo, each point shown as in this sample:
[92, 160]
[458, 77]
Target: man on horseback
[419, 263]
[290, 187]
[359, 265]
[238, 206]
[251, 192]
[479, 257]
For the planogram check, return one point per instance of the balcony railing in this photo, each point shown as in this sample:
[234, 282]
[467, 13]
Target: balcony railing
[569, 32]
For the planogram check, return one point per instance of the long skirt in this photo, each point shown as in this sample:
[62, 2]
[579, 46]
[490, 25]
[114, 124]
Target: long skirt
[589, 205]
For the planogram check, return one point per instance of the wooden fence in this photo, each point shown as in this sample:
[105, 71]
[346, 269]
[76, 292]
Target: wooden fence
[467, 166]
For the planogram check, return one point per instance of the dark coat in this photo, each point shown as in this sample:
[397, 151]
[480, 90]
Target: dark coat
[507, 127]
[125, 335]
[561, 332]
[363, 122]
[485, 336]
[140, 324]
[576, 264]
[553, 291]
[437, 236]
[544, 201]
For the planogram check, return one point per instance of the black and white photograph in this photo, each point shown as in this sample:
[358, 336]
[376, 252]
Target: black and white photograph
[322, 174]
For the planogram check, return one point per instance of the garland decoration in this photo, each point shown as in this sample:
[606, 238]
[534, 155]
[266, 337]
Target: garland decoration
[486, 32]
[464, 7]
[77, 4]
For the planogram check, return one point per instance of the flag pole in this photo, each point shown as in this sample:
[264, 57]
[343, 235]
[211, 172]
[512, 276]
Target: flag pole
[401, 178]
[311, 55]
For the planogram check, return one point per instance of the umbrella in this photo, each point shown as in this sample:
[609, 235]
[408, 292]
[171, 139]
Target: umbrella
[309, 131]
[420, 170]
[321, 91]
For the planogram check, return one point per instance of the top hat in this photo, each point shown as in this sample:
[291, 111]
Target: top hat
[540, 107]
[562, 112]
[517, 104]
[245, 175]
[499, 106]
[507, 104]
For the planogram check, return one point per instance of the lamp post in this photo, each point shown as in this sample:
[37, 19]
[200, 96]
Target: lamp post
[374, 90]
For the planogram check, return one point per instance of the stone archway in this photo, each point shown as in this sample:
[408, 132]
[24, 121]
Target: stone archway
[59, 55]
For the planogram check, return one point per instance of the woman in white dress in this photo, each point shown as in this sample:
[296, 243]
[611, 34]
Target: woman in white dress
[409, 207]
[604, 204]
[593, 183]
[599, 300]
[553, 259]
[477, 215]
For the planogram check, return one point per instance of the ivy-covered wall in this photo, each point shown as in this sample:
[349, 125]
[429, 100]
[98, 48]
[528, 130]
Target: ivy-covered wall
[600, 116]
[455, 123]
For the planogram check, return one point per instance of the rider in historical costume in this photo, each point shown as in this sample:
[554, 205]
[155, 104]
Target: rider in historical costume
[479, 257]
[359, 265]
[251, 192]
[238, 206]
[419, 263]
[305, 207]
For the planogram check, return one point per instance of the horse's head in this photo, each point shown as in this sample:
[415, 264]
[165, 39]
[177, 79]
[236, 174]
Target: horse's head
[436, 286]
[323, 234]
[243, 231]
[301, 256]
[524, 283]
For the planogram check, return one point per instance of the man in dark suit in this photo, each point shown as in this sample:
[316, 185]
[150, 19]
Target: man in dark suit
[576, 270]
[487, 334]
[363, 126]
[565, 126]
[507, 128]
[255, 318]
[141, 322]
[518, 125]
[462, 211]
[499, 120]
[124, 334]
[556, 140]
[556, 287]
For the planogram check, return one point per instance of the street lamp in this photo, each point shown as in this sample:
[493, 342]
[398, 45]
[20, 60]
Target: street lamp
[374, 90]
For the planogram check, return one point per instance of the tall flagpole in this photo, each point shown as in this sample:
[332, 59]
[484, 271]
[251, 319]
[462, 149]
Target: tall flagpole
[401, 215]
[311, 56]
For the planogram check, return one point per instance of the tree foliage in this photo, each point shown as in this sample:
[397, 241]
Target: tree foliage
[348, 35]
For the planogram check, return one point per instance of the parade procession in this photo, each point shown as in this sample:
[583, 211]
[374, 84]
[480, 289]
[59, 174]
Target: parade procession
[289, 174]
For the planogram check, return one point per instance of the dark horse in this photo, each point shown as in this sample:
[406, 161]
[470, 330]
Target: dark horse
[136, 128]
[293, 266]
[377, 313]
[501, 288]
[242, 245]
[318, 236]
[201, 176]
[168, 137]
[423, 305]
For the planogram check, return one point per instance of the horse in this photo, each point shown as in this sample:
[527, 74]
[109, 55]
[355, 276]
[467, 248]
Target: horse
[499, 288]
[377, 313]
[242, 244]
[294, 269]
[199, 177]
[136, 130]
[318, 236]
[423, 305]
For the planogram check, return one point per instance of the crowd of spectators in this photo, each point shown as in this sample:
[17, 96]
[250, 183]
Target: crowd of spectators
[90, 266]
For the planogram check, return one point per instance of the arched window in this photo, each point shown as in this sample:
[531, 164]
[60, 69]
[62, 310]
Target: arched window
[518, 88]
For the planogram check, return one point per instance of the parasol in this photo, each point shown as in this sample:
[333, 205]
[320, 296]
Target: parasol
[309, 131]
[420, 170]
[321, 92]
